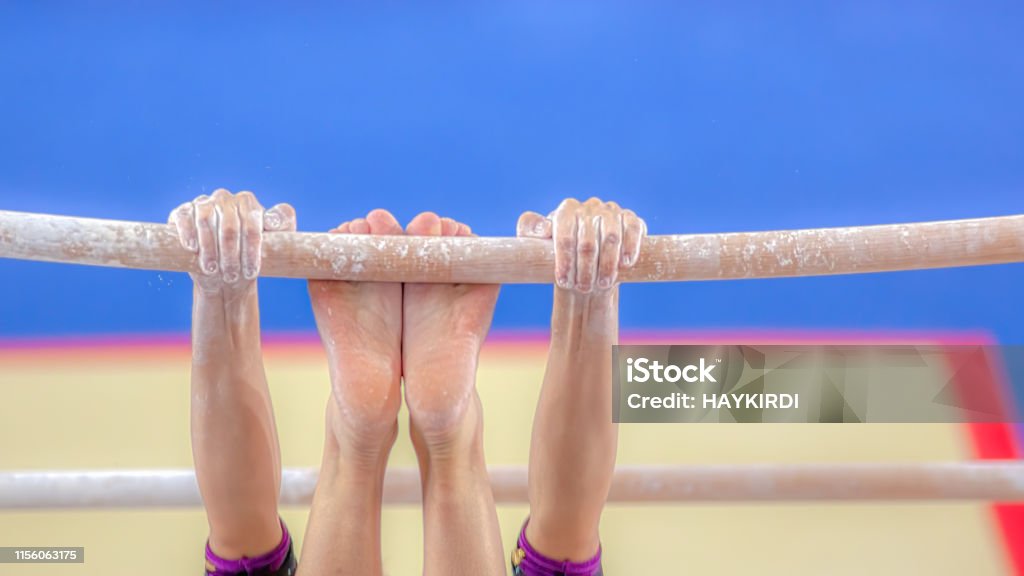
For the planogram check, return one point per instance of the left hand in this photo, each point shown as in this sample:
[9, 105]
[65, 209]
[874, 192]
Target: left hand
[594, 240]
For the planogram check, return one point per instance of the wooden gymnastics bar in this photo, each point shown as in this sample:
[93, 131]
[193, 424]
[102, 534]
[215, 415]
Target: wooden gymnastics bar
[811, 252]
[979, 481]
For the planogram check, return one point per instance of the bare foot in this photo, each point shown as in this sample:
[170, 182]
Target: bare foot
[444, 327]
[360, 324]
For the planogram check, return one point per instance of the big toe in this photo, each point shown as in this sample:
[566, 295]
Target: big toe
[382, 222]
[425, 224]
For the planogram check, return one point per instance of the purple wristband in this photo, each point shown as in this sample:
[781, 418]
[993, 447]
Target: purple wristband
[269, 562]
[529, 562]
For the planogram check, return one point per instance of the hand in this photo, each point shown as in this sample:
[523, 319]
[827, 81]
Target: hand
[360, 324]
[593, 242]
[445, 326]
[226, 231]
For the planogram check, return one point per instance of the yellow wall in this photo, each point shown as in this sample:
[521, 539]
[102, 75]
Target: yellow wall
[104, 408]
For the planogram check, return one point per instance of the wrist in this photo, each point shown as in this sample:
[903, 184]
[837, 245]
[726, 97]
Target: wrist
[585, 320]
[225, 328]
[230, 300]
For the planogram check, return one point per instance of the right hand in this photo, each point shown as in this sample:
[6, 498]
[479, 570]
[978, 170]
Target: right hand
[226, 231]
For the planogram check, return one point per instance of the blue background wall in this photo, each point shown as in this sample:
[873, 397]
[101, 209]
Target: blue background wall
[704, 118]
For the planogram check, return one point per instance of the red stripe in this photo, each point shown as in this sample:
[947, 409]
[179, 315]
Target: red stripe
[998, 441]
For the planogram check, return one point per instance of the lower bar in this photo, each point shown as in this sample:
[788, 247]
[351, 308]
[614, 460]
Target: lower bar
[980, 481]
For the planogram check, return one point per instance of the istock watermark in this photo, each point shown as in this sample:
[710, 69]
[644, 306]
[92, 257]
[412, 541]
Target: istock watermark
[822, 383]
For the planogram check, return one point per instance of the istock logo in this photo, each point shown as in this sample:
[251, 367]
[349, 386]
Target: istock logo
[645, 371]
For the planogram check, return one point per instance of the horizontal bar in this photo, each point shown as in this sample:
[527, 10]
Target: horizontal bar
[981, 481]
[814, 252]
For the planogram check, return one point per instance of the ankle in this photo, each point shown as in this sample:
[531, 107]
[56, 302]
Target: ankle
[365, 451]
[452, 437]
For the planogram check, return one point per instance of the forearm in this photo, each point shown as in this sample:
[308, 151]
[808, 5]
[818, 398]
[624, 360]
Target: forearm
[234, 440]
[573, 449]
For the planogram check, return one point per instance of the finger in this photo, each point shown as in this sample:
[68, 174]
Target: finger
[359, 226]
[449, 227]
[610, 248]
[587, 251]
[280, 218]
[229, 239]
[383, 222]
[533, 225]
[206, 228]
[564, 232]
[184, 223]
[464, 230]
[633, 232]
[250, 214]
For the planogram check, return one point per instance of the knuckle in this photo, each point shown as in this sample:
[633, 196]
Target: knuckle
[587, 247]
[567, 243]
[221, 193]
[568, 205]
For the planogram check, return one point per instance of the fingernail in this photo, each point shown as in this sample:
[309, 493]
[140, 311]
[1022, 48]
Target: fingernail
[273, 220]
[564, 283]
[210, 267]
[190, 244]
[230, 277]
[627, 259]
[605, 282]
[249, 272]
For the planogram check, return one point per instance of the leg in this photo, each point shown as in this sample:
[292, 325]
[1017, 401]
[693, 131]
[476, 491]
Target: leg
[445, 326]
[360, 325]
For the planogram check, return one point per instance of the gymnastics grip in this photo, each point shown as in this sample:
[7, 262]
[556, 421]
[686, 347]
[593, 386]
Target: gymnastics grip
[672, 258]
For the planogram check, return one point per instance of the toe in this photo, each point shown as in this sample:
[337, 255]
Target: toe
[425, 224]
[343, 228]
[449, 227]
[360, 226]
[382, 222]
